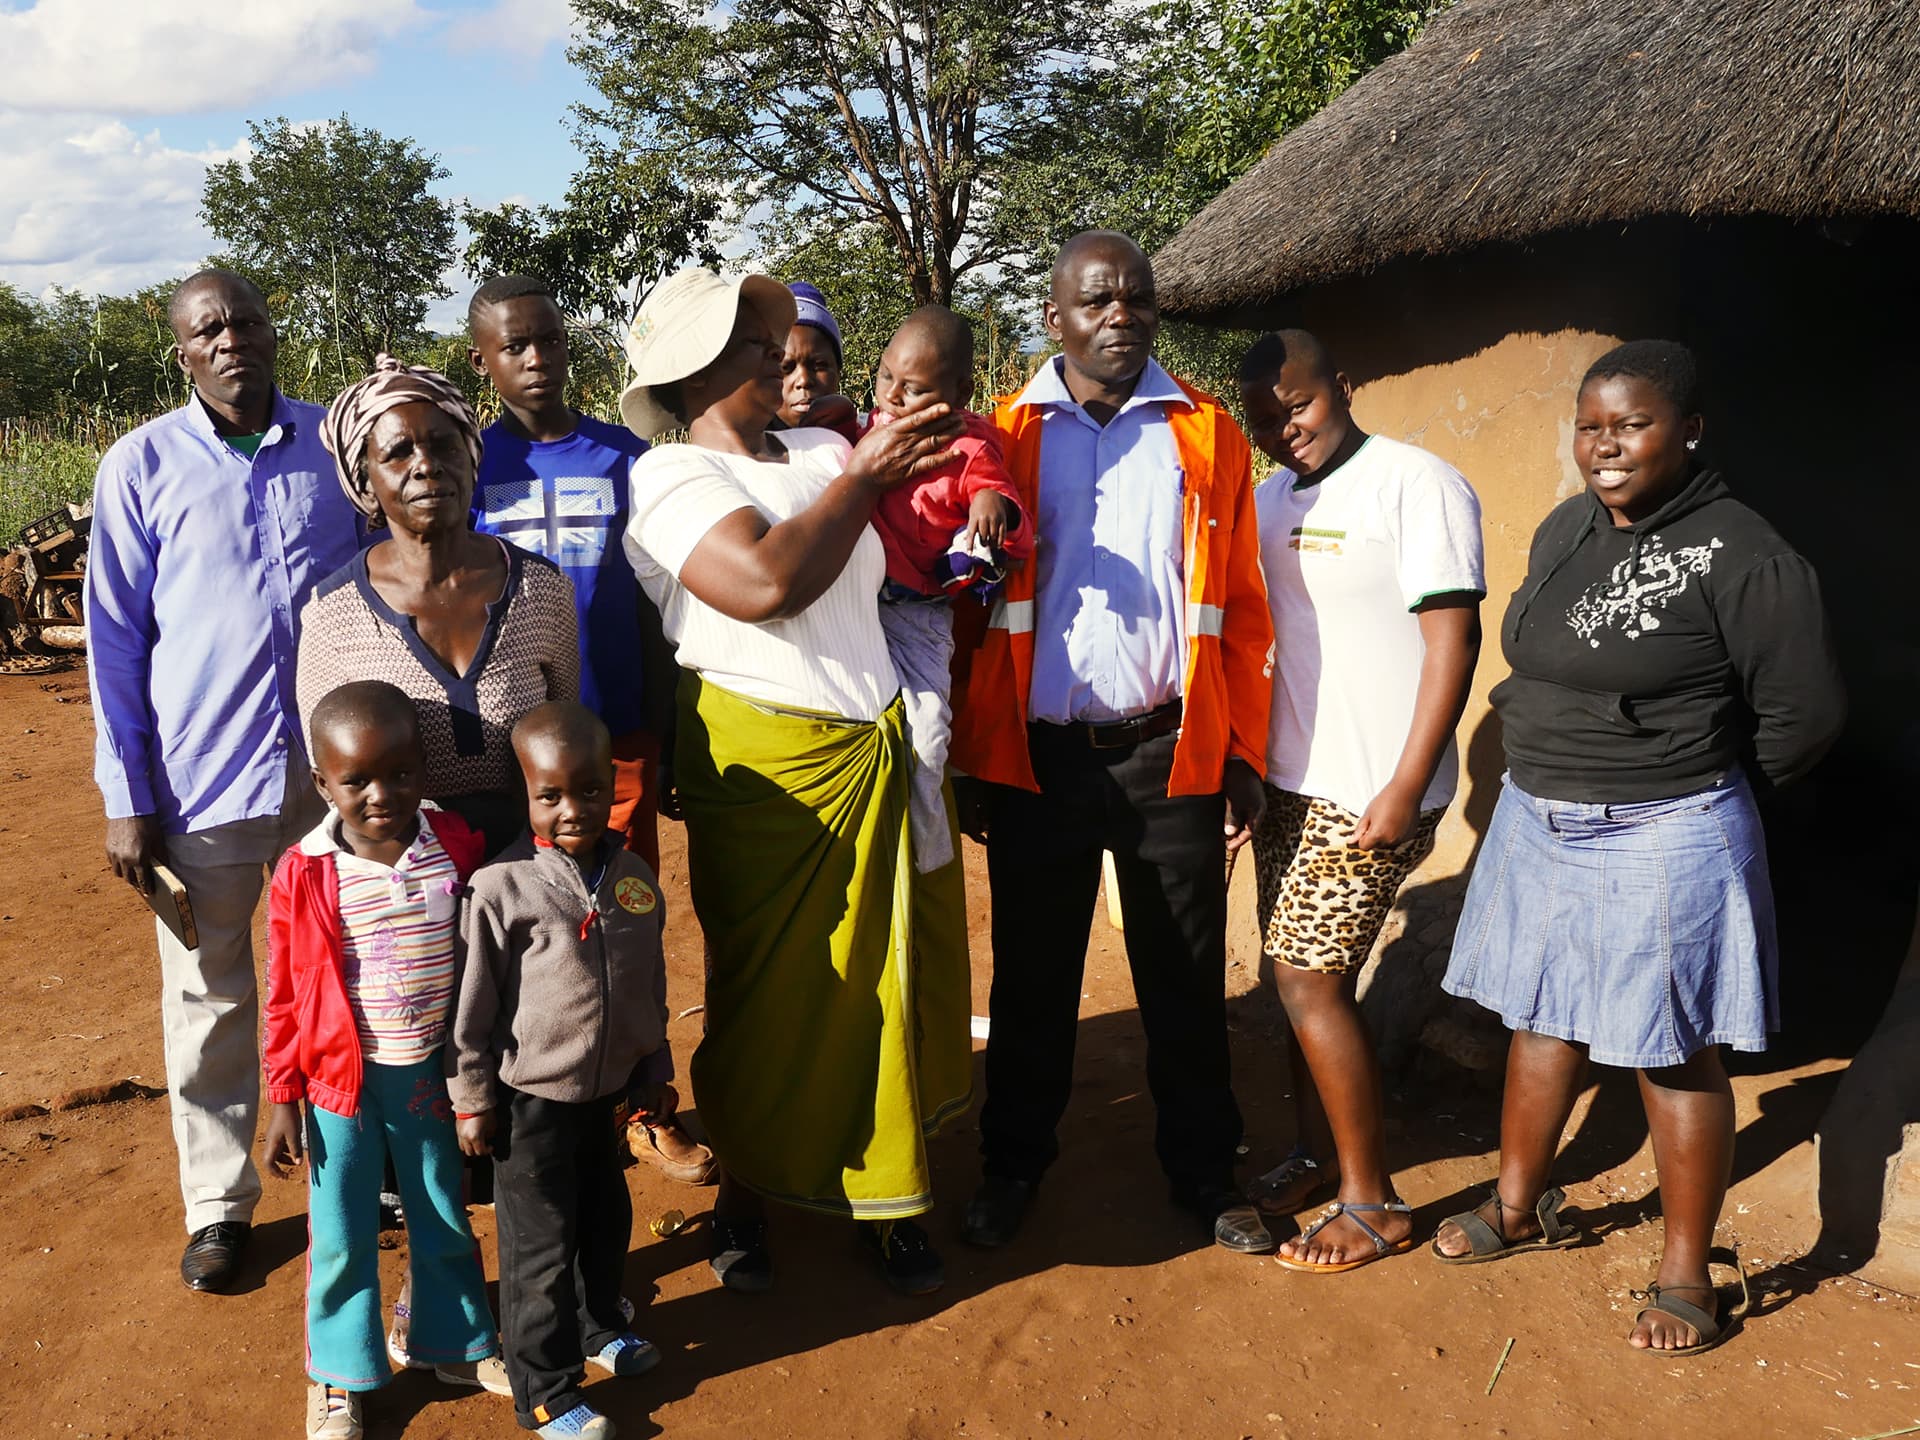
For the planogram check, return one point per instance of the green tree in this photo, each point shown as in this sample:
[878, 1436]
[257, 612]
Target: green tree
[73, 352]
[1143, 147]
[833, 114]
[338, 225]
[124, 349]
[23, 364]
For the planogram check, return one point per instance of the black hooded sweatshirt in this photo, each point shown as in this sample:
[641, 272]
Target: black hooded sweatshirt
[1649, 661]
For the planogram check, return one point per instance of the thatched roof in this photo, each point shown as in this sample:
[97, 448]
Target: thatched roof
[1512, 118]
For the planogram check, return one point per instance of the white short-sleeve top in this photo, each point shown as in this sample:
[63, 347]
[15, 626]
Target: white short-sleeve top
[1349, 561]
[832, 656]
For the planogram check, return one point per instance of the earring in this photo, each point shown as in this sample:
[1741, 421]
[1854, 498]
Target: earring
[1693, 444]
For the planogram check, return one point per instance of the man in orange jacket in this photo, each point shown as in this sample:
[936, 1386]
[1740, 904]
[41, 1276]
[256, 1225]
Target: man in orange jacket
[1117, 702]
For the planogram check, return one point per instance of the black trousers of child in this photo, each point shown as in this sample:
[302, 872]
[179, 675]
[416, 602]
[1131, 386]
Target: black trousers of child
[565, 1220]
[1043, 866]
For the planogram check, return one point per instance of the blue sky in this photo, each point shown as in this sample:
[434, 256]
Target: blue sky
[114, 108]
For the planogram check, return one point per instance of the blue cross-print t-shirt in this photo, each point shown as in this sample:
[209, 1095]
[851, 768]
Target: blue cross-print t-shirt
[567, 500]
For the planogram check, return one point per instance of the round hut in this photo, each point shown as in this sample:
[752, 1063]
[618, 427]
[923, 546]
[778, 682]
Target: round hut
[1532, 182]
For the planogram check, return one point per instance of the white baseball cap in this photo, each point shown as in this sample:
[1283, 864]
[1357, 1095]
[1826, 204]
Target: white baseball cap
[681, 329]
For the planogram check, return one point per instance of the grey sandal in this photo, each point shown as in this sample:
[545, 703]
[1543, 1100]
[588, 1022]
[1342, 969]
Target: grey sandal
[1713, 1328]
[1486, 1243]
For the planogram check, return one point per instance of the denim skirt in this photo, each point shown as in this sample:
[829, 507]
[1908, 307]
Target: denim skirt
[1644, 932]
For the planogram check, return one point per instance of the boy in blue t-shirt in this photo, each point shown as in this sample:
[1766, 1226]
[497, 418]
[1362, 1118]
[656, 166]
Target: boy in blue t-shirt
[554, 481]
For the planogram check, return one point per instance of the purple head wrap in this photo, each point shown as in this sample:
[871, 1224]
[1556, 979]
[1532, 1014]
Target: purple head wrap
[813, 310]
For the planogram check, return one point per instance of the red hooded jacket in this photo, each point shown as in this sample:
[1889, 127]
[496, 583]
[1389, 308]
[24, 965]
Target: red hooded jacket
[311, 1047]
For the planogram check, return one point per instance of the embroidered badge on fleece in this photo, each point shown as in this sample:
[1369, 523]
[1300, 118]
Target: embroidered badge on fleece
[636, 897]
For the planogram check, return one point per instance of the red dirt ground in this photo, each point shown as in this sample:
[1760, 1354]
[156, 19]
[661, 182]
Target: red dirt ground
[1108, 1317]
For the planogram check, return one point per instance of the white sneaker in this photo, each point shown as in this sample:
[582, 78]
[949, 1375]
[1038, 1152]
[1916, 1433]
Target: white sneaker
[489, 1374]
[626, 1355]
[332, 1413]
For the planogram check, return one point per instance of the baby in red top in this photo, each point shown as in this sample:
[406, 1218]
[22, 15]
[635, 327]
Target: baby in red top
[952, 530]
[967, 506]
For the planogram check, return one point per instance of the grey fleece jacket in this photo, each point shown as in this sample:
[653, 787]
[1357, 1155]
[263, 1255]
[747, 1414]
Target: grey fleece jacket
[560, 993]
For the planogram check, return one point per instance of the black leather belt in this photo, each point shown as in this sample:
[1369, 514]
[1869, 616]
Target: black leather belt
[1118, 734]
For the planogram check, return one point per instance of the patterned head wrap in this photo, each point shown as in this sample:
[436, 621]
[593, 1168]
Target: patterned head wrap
[351, 415]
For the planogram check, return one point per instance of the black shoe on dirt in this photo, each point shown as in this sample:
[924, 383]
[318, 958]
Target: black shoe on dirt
[907, 1257]
[739, 1256]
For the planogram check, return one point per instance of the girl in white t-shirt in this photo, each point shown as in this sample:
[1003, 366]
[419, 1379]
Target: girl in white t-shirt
[837, 1031]
[1374, 574]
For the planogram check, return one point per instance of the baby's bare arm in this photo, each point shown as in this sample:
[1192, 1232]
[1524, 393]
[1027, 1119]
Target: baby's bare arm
[991, 517]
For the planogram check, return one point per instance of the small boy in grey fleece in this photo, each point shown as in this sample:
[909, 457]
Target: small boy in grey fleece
[559, 1025]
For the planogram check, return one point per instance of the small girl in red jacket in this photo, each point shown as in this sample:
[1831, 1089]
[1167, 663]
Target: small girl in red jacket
[360, 980]
[952, 530]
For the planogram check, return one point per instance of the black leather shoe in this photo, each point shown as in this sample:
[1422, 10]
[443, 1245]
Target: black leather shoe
[212, 1256]
[907, 1257]
[994, 1215]
[738, 1254]
[1223, 1209]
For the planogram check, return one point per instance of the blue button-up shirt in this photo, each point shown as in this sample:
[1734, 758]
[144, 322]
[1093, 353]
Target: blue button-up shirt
[198, 565]
[1109, 635]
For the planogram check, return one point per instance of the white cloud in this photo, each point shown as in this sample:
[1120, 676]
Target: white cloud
[518, 27]
[167, 57]
[92, 196]
[91, 204]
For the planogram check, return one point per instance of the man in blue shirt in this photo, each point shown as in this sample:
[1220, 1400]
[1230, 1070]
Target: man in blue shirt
[1131, 474]
[211, 526]
[554, 481]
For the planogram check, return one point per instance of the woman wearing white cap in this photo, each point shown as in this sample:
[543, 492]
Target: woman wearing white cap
[837, 988]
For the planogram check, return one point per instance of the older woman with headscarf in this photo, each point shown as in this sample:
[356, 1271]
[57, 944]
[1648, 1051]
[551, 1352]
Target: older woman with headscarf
[837, 988]
[476, 631]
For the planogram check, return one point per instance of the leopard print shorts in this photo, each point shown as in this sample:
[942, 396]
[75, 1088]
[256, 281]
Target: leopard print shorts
[1322, 902]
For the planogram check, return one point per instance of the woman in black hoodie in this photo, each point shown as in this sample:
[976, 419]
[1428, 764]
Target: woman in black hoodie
[1667, 648]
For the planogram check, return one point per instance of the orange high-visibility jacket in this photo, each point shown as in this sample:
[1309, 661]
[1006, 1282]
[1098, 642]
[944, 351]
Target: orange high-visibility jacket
[1229, 681]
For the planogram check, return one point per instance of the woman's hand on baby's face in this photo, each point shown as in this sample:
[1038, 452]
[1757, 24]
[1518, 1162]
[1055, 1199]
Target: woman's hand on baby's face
[476, 1133]
[282, 1143]
[906, 448]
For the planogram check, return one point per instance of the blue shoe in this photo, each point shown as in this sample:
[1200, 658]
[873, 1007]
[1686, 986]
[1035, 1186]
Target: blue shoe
[582, 1422]
[627, 1355]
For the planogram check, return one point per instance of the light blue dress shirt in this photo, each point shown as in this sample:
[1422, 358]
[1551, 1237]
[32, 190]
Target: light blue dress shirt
[1109, 635]
[198, 565]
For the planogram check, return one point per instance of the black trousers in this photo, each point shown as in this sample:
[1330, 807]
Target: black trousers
[1043, 865]
[564, 1221]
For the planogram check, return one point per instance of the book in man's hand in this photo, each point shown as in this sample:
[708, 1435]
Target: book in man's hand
[169, 901]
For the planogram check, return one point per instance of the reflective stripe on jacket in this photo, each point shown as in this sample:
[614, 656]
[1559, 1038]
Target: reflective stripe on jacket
[1228, 689]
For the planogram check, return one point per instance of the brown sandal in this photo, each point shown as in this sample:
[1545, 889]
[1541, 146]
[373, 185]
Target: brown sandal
[1713, 1329]
[1486, 1243]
